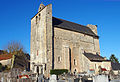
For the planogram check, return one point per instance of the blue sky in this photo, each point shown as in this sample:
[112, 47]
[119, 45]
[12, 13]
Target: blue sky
[15, 17]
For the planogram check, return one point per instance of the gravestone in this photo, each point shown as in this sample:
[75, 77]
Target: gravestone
[40, 78]
[70, 79]
[53, 78]
[100, 78]
[2, 79]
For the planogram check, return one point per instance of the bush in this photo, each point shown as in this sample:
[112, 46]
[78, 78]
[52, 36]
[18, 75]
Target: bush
[58, 71]
[0, 67]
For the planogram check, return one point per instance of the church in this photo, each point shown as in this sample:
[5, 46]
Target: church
[61, 44]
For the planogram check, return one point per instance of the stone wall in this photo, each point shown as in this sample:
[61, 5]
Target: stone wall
[103, 64]
[6, 62]
[56, 48]
[41, 40]
[96, 40]
[49, 41]
[100, 78]
[68, 42]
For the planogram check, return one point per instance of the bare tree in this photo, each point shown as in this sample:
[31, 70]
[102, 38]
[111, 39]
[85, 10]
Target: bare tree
[20, 58]
[14, 47]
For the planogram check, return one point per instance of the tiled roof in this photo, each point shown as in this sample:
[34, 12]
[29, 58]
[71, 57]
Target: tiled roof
[5, 56]
[60, 23]
[93, 57]
[115, 66]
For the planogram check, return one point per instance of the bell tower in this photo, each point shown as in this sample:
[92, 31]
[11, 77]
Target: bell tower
[41, 40]
[41, 7]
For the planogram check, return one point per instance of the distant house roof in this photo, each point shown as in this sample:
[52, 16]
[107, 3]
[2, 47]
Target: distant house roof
[60, 23]
[115, 66]
[5, 56]
[94, 57]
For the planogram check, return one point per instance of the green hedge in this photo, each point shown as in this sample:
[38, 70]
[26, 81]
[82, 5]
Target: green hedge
[58, 71]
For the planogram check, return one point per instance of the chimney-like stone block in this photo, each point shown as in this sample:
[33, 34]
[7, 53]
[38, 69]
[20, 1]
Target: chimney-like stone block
[93, 28]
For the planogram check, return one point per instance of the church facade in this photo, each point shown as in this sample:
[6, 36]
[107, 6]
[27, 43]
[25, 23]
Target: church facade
[61, 44]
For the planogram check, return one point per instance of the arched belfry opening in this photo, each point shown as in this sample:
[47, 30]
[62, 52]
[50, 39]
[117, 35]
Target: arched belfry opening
[41, 7]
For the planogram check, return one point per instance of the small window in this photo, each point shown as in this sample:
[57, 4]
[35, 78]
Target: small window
[37, 52]
[45, 66]
[75, 71]
[75, 62]
[36, 19]
[39, 16]
[59, 59]
[95, 66]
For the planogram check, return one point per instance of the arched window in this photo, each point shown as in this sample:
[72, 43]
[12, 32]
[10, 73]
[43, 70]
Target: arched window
[39, 16]
[36, 19]
[59, 59]
[75, 71]
[45, 66]
[37, 52]
[75, 62]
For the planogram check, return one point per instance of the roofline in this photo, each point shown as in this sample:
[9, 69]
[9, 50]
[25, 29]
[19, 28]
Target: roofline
[78, 32]
[77, 24]
[39, 11]
[5, 59]
[70, 21]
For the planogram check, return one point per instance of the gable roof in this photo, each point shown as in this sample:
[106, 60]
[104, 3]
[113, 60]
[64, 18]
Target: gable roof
[94, 57]
[60, 23]
[5, 56]
[115, 66]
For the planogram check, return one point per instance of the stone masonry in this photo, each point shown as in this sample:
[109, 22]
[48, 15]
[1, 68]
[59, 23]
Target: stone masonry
[55, 44]
[41, 40]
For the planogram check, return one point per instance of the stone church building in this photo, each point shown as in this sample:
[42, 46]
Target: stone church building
[61, 44]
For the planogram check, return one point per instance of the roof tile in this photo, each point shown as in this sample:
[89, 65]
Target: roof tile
[5, 56]
[60, 23]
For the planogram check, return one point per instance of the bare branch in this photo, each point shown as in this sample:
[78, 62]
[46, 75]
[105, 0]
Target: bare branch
[13, 47]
